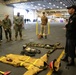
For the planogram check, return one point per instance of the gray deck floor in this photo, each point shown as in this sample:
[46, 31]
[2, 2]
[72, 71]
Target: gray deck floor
[57, 34]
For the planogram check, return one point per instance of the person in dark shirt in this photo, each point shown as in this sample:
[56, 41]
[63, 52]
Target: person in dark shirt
[70, 37]
[0, 32]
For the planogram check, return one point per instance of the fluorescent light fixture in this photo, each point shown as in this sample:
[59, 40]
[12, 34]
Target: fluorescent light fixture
[54, 5]
[43, 5]
[60, 7]
[39, 4]
[49, 3]
[63, 4]
[48, 7]
[57, 6]
[32, 5]
[60, 2]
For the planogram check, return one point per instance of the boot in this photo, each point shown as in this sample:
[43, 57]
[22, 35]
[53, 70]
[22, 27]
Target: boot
[65, 59]
[41, 36]
[11, 39]
[45, 37]
[7, 40]
[0, 42]
[71, 62]
[75, 55]
[21, 38]
[15, 39]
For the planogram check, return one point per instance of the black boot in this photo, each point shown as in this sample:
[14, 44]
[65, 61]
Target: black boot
[65, 59]
[41, 36]
[10, 39]
[71, 62]
[45, 37]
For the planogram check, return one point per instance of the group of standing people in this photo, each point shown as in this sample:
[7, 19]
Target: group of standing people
[6, 24]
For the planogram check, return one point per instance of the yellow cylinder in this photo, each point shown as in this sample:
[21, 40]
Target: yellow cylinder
[36, 28]
[48, 28]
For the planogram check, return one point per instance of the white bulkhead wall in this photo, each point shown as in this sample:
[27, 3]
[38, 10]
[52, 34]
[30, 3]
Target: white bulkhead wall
[4, 10]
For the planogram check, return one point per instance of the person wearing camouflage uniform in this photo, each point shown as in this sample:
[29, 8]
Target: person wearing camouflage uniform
[44, 21]
[6, 22]
[18, 22]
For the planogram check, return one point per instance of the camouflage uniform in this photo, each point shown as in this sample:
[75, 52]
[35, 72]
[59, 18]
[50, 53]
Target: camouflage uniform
[18, 21]
[44, 21]
[7, 28]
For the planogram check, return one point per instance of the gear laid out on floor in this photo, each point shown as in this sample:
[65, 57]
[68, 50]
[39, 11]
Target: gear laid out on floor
[29, 51]
[55, 47]
[47, 46]
[32, 65]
